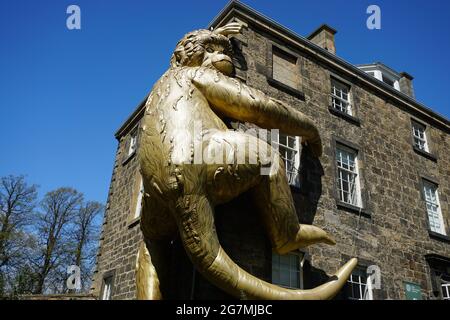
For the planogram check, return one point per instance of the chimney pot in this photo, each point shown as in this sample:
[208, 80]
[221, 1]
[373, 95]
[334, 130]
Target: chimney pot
[406, 85]
[324, 38]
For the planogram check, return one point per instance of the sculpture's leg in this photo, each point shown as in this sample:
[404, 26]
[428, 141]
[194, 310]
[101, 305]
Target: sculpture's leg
[280, 217]
[272, 193]
[152, 267]
[147, 281]
[238, 171]
[152, 264]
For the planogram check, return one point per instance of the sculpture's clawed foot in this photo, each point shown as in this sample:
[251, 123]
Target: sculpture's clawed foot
[306, 236]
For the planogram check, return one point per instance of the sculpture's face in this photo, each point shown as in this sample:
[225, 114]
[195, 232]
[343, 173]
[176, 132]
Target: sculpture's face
[215, 57]
[204, 48]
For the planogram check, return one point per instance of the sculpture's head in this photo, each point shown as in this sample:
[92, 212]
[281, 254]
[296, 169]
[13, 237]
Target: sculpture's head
[204, 48]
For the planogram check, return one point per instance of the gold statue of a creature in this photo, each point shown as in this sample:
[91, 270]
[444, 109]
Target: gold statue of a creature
[180, 194]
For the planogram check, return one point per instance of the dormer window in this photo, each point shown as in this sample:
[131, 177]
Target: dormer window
[383, 73]
[388, 80]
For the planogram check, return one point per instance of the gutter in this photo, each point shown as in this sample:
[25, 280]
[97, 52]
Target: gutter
[322, 54]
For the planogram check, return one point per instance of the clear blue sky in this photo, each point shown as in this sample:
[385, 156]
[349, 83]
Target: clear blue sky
[64, 93]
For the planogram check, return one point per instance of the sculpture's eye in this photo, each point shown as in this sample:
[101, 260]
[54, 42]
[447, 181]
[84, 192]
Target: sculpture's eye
[209, 50]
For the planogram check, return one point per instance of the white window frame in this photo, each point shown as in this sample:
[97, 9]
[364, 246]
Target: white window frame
[395, 82]
[140, 196]
[378, 75]
[292, 165]
[133, 142]
[445, 288]
[338, 101]
[107, 288]
[354, 198]
[365, 287]
[419, 132]
[431, 198]
[301, 259]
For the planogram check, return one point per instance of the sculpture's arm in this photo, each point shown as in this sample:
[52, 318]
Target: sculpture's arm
[238, 101]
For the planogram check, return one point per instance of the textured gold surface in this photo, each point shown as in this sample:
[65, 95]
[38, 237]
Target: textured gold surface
[180, 193]
[146, 277]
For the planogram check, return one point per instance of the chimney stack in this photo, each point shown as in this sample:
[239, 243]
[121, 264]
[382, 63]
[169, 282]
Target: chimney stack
[406, 85]
[324, 37]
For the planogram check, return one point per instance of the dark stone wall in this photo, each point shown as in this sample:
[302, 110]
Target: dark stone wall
[391, 232]
[121, 237]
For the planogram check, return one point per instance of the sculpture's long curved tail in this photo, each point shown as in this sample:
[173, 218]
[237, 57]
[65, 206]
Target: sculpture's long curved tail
[240, 283]
[202, 246]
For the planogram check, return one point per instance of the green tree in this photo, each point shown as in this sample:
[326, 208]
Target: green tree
[85, 237]
[53, 221]
[25, 281]
[17, 202]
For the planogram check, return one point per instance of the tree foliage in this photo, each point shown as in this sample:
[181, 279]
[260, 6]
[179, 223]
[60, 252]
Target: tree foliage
[17, 202]
[40, 240]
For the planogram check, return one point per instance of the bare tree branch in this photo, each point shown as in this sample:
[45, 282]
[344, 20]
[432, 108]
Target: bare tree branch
[17, 202]
[58, 208]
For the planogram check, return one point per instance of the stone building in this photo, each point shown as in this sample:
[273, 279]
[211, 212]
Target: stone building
[381, 187]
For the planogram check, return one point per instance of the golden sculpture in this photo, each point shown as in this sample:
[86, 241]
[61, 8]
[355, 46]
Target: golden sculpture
[180, 194]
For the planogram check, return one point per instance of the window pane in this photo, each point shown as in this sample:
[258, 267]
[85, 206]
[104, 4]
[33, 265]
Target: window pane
[284, 277]
[446, 291]
[107, 283]
[275, 276]
[291, 141]
[348, 184]
[133, 140]
[420, 140]
[435, 218]
[357, 284]
[363, 289]
[286, 270]
[388, 80]
[355, 291]
[340, 96]
[140, 195]
[295, 269]
[288, 150]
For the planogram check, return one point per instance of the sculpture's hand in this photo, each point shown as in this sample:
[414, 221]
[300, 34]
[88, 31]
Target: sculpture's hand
[231, 28]
[313, 140]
